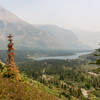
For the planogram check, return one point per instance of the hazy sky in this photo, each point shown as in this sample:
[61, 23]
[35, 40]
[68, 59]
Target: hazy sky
[82, 16]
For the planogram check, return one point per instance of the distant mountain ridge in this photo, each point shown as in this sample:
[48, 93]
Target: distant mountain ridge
[29, 36]
[66, 38]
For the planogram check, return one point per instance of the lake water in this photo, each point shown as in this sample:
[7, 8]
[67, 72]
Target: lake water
[76, 56]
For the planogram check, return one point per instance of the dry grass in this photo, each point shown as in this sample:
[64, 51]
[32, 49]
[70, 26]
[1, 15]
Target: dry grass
[14, 90]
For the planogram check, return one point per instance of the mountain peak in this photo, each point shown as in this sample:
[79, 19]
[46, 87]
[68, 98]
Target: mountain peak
[7, 16]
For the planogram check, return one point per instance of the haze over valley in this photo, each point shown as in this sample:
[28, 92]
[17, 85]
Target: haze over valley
[79, 16]
[41, 37]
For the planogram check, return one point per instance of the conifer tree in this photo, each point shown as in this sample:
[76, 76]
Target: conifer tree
[12, 70]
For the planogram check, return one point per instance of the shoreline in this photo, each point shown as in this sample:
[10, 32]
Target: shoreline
[75, 56]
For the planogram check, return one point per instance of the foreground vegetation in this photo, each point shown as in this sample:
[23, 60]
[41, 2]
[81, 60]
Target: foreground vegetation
[25, 89]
